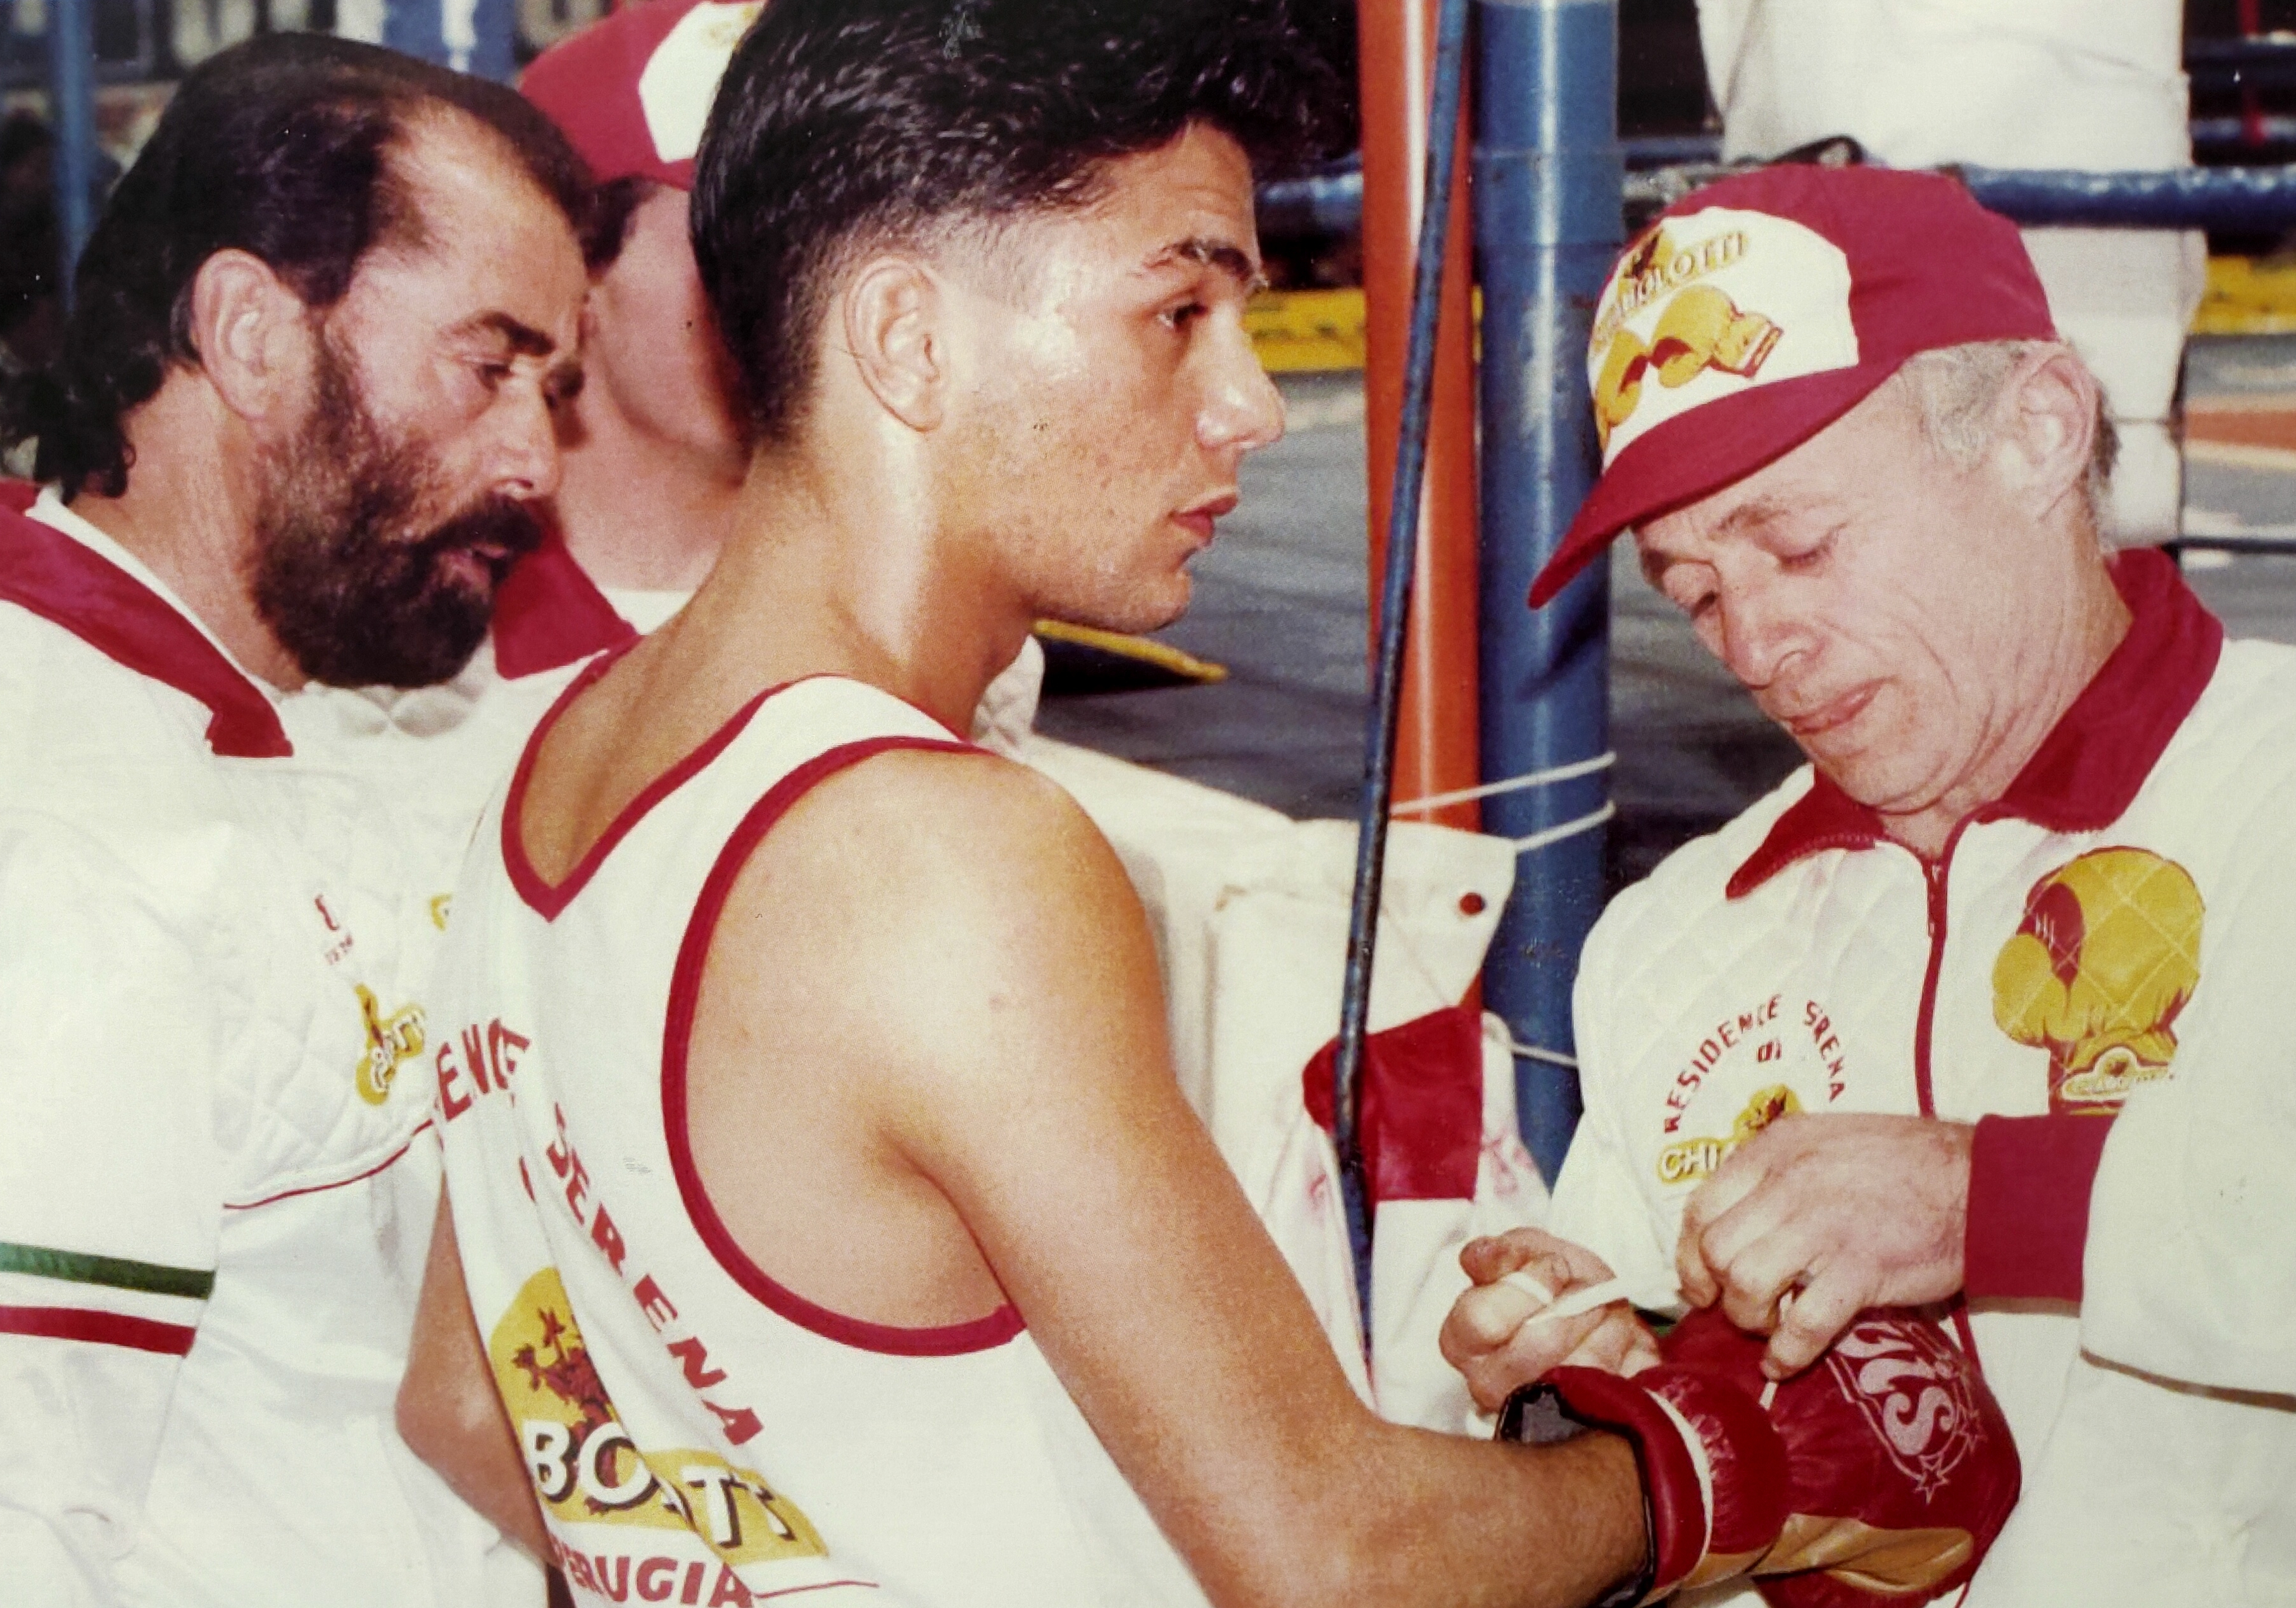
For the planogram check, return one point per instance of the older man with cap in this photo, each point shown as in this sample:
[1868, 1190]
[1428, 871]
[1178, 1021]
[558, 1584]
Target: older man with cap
[1978, 1008]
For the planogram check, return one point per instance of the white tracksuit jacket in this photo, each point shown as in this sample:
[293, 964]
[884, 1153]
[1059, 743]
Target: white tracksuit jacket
[216, 1191]
[2102, 956]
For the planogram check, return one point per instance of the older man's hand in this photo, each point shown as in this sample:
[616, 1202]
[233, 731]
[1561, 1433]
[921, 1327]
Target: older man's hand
[1840, 1212]
[1494, 1338]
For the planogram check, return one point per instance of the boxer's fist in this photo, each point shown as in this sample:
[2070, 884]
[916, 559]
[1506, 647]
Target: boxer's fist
[1901, 1471]
[1714, 1468]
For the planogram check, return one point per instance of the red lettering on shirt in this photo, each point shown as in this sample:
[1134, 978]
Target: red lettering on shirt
[695, 1361]
[451, 1103]
[739, 1423]
[474, 1055]
[502, 1049]
[655, 1577]
[652, 1302]
[608, 1239]
[729, 1589]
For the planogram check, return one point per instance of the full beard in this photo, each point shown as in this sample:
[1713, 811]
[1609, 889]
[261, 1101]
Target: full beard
[347, 577]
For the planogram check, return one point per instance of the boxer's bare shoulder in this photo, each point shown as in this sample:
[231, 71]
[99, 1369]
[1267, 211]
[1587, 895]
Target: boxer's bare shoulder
[930, 937]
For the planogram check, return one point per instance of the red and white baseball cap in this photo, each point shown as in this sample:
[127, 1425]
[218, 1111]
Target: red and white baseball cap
[1757, 311]
[633, 92]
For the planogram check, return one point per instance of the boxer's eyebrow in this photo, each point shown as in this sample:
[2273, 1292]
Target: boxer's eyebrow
[1212, 252]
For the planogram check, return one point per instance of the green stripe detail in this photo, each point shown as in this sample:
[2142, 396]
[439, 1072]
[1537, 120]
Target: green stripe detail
[115, 1271]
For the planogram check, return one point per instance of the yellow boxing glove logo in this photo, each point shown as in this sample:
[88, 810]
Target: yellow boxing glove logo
[2097, 972]
[1700, 328]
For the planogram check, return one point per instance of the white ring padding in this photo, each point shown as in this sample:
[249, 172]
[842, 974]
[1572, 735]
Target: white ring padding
[1531, 1051]
[1568, 829]
[1529, 779]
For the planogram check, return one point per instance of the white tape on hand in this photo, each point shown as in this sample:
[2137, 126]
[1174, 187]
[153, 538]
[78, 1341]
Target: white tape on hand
[1571, 1305]
[1523, 1281]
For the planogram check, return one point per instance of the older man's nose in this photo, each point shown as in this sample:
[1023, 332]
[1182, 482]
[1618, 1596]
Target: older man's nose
[1760, 636]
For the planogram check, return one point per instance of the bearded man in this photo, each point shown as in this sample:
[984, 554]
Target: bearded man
[303, 408]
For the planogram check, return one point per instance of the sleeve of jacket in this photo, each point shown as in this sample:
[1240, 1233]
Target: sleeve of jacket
[2189, 1271]
[1597, 1203]
[110, 1199]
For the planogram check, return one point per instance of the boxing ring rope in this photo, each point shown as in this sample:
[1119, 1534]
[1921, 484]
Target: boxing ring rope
[1491, 789]
[1394, 616]
[2250, 200]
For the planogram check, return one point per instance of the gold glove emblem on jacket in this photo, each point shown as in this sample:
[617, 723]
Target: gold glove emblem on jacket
[2106, 956]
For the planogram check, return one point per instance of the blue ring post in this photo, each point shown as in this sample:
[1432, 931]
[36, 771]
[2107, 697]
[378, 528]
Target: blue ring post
[1548, 173]
[71, 104]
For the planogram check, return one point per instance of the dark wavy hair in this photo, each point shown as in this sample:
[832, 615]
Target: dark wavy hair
[844, 124]
[281, 147]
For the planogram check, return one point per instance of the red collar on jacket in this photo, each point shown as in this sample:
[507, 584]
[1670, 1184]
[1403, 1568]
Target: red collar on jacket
[2088, 769]
[549, 611]
[65, 581]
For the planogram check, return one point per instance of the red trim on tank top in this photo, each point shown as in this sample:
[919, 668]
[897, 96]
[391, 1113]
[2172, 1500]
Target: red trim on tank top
[980, 1335]
[547, 898]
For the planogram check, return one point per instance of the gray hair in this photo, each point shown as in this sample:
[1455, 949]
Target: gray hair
[1955, 386]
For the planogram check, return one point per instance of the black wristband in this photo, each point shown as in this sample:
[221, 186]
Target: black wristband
[1534, 1415]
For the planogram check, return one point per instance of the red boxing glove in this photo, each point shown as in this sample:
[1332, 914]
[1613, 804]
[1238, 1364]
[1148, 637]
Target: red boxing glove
[1713, 1467]
[1902, 1471]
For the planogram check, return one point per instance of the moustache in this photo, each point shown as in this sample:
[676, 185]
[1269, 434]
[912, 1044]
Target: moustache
[498, 533]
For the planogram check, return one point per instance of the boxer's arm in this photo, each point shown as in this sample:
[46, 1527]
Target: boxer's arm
[449, 1411]
[998, 1013]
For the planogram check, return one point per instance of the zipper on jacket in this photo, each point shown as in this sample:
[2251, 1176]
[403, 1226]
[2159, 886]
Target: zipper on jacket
[1935, 875]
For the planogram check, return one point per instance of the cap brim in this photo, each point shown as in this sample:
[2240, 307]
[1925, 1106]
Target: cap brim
[1702, 451]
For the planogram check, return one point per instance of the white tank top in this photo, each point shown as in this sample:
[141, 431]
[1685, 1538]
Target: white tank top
[698, 1433]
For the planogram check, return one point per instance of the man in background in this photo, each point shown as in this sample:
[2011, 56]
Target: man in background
[296, 434]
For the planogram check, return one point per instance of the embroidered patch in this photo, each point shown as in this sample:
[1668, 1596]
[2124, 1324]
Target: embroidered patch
[390, 1039]
[1711, 304]
[2098, 971]
[1770, 1059]
[1689, 1159]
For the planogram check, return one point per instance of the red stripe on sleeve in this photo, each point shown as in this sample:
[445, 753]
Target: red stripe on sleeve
[103, 1328]
[2029, 1179]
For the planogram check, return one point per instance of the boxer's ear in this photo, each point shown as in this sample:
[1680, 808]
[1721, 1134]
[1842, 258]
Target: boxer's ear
[893, 310]
[252, 333]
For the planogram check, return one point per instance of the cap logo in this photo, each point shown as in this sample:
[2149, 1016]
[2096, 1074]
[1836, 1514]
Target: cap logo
[1709, 305]
[681, 76]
